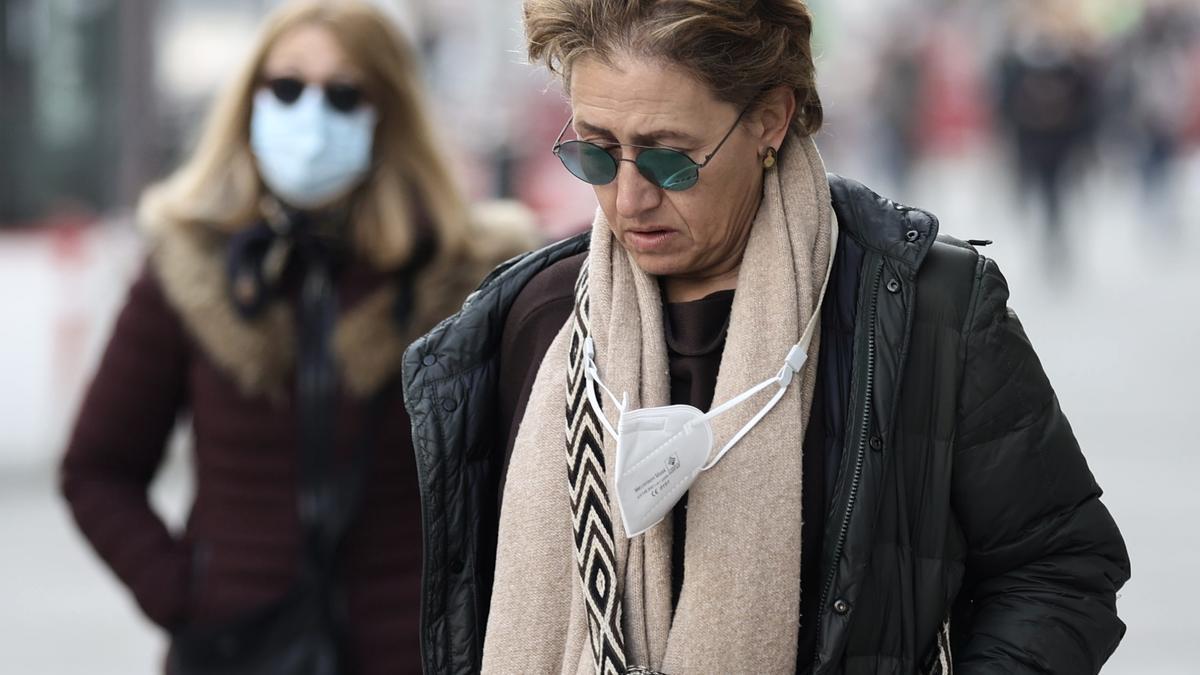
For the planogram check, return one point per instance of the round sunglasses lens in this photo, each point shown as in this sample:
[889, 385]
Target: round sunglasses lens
[286, 89]
[588, 162]
[669, 169]
[343, 97]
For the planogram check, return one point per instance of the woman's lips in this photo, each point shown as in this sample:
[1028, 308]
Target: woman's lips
[650, 240]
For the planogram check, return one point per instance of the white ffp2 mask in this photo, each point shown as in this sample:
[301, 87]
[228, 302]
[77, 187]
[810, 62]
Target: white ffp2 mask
[662, 450]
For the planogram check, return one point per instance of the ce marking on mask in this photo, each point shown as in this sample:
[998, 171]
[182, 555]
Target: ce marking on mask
[657, 484]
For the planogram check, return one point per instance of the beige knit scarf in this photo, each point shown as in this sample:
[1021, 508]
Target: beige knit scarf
[739, 607]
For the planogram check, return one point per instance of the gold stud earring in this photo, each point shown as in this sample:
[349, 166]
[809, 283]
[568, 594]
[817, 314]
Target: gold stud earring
[769, 158]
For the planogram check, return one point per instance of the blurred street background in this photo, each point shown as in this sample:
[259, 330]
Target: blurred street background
[1067, 131]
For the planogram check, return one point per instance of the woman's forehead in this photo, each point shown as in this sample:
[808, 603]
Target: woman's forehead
[635, 99]
[312, 51]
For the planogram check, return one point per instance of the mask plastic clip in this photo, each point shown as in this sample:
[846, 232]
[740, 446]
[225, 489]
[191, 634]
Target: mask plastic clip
[795, 360]
[592, 375]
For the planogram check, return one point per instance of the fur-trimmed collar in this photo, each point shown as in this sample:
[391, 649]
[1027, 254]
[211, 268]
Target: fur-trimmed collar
[259, 354]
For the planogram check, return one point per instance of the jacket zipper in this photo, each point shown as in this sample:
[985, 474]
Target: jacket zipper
[864, 429]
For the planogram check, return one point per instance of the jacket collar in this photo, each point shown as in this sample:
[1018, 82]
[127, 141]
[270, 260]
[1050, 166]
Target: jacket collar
[900, 233]
[472, 337]
[259, 353]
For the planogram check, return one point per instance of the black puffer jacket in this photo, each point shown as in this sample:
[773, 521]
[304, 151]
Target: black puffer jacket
[961, 492]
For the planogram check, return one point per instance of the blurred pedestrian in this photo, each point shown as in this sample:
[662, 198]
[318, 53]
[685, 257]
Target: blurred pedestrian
[883, 471]
[312, 234]
[896, 92]
[1049, 104]
[1160, 72]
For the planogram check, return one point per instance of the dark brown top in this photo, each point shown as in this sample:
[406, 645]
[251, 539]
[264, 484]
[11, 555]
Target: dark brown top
[695, 333]
[240, 547]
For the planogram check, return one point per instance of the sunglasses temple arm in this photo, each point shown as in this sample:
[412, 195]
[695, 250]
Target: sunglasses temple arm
[709, 156]
[558, 141]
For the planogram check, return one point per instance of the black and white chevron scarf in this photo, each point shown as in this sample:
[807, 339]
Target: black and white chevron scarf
[595, 555]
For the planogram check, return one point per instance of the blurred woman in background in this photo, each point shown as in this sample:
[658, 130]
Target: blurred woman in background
[313, 233]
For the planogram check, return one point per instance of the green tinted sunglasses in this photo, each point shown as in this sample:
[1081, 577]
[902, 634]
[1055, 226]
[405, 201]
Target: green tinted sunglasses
[668, 169]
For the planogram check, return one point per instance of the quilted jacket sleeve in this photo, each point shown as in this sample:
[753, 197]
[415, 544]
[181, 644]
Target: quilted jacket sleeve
[1045, 558]
[117, 445]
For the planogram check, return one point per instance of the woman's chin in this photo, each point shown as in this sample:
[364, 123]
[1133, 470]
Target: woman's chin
[656, 255]
[658, 264]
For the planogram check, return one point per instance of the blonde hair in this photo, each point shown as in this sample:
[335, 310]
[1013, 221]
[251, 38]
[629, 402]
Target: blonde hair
[739, 48]
[409, 187]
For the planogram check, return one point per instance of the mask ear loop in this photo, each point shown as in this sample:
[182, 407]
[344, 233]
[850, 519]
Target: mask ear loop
[592, 374]
[794, 362]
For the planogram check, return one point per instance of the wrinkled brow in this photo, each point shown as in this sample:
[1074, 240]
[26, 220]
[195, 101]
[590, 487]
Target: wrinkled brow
[656, 137]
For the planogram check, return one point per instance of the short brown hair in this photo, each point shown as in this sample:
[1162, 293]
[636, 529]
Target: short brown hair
[739, 48]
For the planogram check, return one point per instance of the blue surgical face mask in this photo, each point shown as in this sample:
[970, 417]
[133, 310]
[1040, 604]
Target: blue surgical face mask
[309, 153]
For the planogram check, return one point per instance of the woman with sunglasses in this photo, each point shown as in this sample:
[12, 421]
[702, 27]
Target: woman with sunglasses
[759, 419]
[311, 236]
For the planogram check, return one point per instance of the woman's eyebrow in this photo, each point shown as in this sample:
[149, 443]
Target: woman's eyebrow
[584, 129]
[649, 138]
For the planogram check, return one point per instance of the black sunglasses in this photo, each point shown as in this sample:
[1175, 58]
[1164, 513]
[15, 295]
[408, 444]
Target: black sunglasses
[668, 169]
[342, 97]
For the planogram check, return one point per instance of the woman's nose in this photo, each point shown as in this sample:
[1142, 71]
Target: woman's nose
[635, 194]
